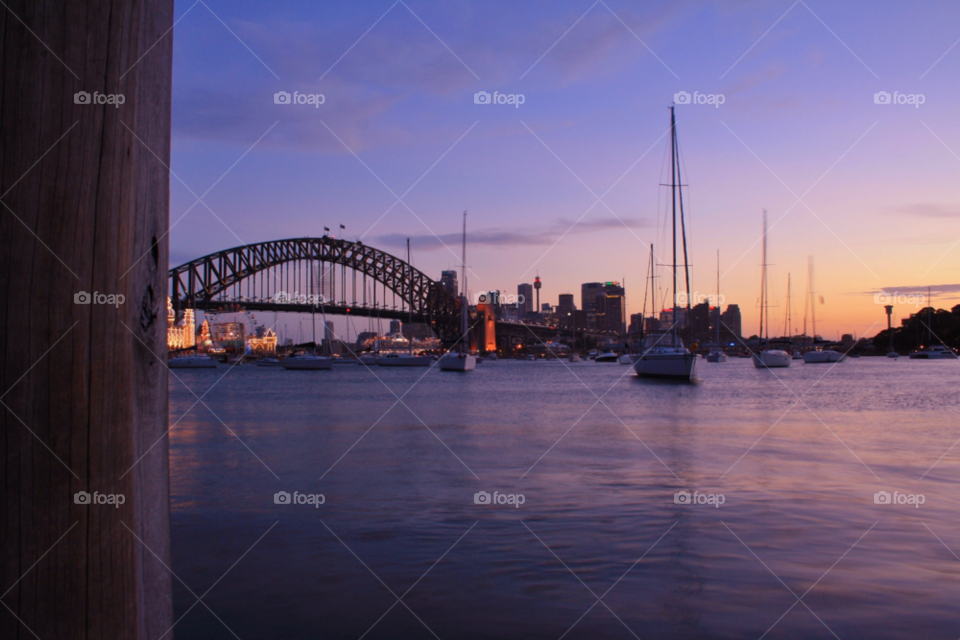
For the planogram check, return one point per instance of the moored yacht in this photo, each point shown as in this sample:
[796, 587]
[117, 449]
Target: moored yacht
[767, 358]
[938, 352]
[664, 356]
[821, 356]
[606, 356]
[461, 360]
[403, 360]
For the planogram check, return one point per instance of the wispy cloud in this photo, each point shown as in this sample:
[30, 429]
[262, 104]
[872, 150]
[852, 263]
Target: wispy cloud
[947, 290]
[926, 210]
[521, 237]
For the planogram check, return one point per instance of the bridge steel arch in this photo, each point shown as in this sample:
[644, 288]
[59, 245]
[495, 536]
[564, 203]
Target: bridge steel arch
[205, 283]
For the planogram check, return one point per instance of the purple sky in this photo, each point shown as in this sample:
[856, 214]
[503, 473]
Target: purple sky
[878, 182]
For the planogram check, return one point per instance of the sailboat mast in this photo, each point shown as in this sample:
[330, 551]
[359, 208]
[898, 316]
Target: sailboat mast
[673, 197]
[813, 301]
[787, 328]
[718, 300]
[463, 292]
[410, 302]
[763, 279]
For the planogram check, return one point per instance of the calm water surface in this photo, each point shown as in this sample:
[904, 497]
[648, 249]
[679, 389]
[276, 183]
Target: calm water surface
[599, 548]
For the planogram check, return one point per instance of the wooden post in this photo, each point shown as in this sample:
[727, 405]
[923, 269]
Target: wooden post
[83, 394]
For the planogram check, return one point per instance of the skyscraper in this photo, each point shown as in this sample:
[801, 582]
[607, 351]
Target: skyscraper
[588, 300]
[730, 320]
[448, 280]
[526, 301]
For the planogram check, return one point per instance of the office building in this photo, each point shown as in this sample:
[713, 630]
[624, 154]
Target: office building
[448, 280]
[525, 297]
[730, 321]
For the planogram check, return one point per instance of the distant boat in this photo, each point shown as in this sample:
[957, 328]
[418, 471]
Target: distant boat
[664, 355]
[461, 360]
[767, 358]
[574, 357]
[531, 357]
[492, 357]
[269, 362]
[307, 362]
[192, 362]
[796, 355]
[820, 356]
[368, 360]
[625, 358]
[716, 356]
[403, 360]
[344, 360]
[937, 352]
[592, 354]
[893, 354]
[606, 356]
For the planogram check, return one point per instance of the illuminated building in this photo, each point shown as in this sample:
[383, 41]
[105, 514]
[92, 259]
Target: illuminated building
[448, 280]
[228, 335]
[525, 297]
[264, 344]
[182, 334]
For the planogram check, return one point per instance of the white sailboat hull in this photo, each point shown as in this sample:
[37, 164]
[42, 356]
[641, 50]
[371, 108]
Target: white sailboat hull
[404, 361]
[820, 357]
[772, 359]
[674, 365]
[457, 362]
[625, 358]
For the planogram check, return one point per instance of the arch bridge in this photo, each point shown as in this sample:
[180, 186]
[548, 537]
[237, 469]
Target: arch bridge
[308, 275]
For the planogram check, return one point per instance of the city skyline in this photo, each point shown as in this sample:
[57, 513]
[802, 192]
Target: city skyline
[847, 180]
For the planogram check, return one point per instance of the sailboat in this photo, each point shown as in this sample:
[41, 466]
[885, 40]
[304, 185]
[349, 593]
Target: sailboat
[818, 355]
[664, 355]
[767, 358]
[461, 360]
[408, 359]
[309, 361]
[717, 354]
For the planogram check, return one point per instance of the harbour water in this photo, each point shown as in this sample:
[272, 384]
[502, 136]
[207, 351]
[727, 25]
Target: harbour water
[602, 546]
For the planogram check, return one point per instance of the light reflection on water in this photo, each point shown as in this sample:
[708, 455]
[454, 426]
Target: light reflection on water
[599, 478]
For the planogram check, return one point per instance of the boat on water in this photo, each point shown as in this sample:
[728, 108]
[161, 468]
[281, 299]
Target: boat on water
[592, 354]
[938, 352]
[575, 357]
[625, 358]
[345, 360]
[822, 356]
[307, 362]
[269, 363]
[893, 354]
[664, 355]
[767, 358]
[461, 360]
[403, 360]
[192, 362]
[531, 357]
[368, 360]
[796, 355]
[716, 354]
[606, 356]
[492, 357]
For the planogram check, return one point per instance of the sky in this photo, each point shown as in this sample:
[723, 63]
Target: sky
[566, 184]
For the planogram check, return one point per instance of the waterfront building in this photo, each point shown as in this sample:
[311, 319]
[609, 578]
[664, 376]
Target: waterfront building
[228, 335]
[263, 342]
[588, 300]
[182, 334]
